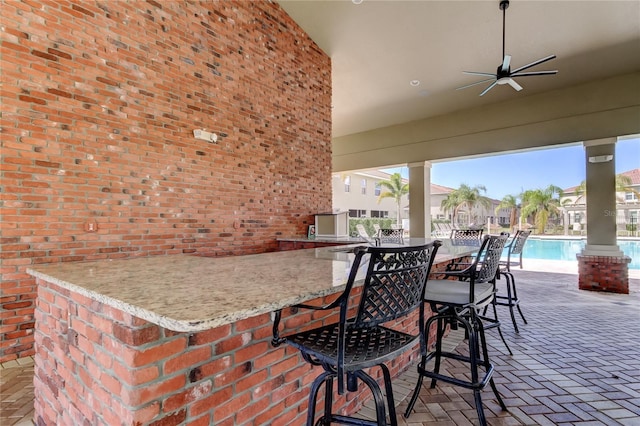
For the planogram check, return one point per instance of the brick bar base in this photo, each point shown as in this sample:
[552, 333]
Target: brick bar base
[604, 273]
[97, 365]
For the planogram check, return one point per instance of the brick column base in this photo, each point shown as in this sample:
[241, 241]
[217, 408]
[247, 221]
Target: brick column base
[604, 273]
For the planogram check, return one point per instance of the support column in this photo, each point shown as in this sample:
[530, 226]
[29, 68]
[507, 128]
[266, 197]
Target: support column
[420, 199]
[602, 266]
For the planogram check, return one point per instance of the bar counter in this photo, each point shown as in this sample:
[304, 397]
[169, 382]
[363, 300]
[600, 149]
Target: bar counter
[182, 339]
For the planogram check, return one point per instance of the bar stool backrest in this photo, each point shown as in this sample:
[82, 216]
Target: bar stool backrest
[466, 234]
[386, 235]
[518, 242]
[487, 261]
[395, 283]
[515, 248]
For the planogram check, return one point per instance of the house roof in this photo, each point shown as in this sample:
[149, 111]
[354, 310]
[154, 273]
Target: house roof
[634, 175]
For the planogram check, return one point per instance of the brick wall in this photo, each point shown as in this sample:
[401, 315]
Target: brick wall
[99, 103]
[604, 273]
[119, 369]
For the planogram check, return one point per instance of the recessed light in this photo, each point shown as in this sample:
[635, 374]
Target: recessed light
[356, 1]
[414, 83]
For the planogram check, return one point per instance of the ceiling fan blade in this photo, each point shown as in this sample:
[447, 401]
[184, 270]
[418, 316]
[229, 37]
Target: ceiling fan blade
[479, 73]
[489, 88]
[533, 64]
[524, 74]
[513, 84]
[477, 82]
[506, 62]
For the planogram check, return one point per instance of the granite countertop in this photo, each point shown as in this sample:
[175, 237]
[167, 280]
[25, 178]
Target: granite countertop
[188, 293]
[337, 240]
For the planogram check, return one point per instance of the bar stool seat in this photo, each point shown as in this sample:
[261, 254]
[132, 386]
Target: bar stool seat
[457, 292]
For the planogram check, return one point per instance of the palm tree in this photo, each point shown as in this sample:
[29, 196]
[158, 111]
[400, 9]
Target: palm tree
[541, 204]
[395, 188]
[623, 184]
[450, 203]
[465, 196]
[509, 202]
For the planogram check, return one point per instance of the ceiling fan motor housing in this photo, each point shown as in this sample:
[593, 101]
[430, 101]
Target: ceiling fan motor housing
[500, 73]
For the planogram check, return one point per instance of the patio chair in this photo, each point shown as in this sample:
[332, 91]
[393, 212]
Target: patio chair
[393, 289]
[459, 303]
[463, 237]
[466, 234]
[376, 228]
[385, 235]
[514, 249]
[436, 231]
[362, 232]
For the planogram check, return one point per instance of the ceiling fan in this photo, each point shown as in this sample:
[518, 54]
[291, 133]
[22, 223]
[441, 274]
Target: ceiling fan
[503, 74]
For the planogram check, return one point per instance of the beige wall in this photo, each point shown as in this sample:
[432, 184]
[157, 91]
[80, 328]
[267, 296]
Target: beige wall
[354, 199]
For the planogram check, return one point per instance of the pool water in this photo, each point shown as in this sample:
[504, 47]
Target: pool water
[536, 248]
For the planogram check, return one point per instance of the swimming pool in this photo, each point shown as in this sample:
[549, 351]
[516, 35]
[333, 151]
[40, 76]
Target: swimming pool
[566, 249]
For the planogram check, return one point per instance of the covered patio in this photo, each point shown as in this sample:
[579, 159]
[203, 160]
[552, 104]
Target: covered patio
[575, 363]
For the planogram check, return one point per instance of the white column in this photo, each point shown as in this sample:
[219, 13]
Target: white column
[420, 199]
[601, 198]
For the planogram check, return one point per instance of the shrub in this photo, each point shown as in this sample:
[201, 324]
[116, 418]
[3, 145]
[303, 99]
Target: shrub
[368, 224]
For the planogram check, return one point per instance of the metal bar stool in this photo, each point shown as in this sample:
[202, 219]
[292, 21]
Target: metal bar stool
[511, 299]
[386, 235]
[393, 289]
[458, 303]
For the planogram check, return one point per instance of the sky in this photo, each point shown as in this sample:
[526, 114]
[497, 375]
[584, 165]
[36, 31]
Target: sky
[511, 174]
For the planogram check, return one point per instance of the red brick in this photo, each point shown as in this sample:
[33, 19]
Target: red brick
[138, 376]
[268, 416]
[188, 395]
[237, 403]
[232, 343]
[209, 336]
[152, 391]
[229, 376]
[187, 360]
[251, 323]
[164, 350]
[208, 403]
[136, 337]
[251, 351]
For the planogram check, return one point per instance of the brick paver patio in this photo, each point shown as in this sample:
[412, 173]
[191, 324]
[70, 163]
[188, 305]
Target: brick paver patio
[577, 362]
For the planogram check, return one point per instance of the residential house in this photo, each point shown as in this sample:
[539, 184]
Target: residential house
[358, 192]
[574, 204]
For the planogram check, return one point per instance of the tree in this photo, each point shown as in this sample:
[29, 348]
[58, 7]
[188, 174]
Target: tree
[541, 204]
[394, 188]
[509, 202]
[450, 204]
[465, 196]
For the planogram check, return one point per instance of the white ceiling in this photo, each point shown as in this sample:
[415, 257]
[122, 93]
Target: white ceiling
[378, 47]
